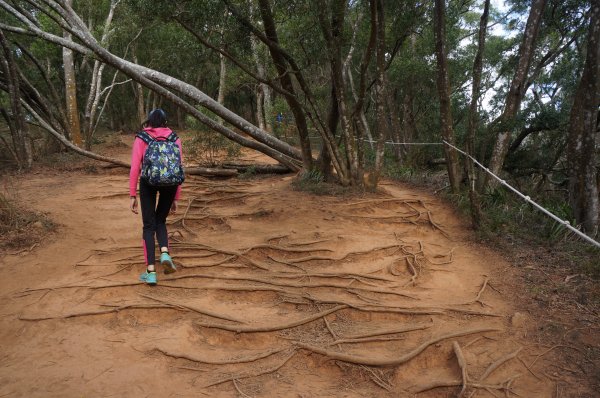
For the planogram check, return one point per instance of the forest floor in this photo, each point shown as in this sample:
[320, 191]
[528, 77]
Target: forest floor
[282, 293]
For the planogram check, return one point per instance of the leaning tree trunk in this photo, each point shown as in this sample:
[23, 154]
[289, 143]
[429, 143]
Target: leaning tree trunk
[443, 84]
[516, 91]
[584, 137]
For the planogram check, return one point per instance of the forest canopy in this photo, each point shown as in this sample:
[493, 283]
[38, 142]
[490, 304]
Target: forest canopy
[322, 87]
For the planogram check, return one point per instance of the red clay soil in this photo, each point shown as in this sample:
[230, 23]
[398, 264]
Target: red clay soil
[279, 293]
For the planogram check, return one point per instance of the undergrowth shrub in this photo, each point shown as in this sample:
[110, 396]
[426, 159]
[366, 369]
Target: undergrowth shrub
[209, 146]
[20, 227]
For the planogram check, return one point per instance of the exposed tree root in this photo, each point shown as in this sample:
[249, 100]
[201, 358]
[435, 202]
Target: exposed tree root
[376, 361]
[239, 390]
[344, 275]
[193, 309]
[308, 243]
[272, 328]
[506, 386]
[273, 282]
[389, 331]
[477, 298]
[234, 360]
[462, 363]
[495, 365]
[283, 249]
[377, 377]
[345, 256]
[381, 201]
[101, 312]
[110, 195]
[253, 374]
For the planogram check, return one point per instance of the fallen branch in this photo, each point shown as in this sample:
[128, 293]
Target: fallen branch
[257, 168]
[210, 172]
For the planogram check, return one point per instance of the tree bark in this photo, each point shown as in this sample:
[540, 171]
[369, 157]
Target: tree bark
[71, 89]
[516, 91]
[584, 137]
[473, 117]
[222, 70]
[349, 80]
[443, 85]
[380, 94]
[96, 83]
[264, 108]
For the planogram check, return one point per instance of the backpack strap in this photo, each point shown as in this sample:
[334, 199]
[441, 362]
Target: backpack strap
[144, 136]
[172, 137]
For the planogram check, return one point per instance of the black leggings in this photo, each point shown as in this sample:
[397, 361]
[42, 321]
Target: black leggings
[154, 216]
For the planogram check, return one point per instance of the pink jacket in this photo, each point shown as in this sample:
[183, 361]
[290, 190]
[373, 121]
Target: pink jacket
[137, 155]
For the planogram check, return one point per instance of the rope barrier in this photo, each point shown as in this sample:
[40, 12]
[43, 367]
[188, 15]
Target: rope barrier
[564, 223]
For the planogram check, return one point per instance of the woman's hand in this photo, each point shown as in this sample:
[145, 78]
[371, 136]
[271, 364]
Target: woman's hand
[174, 207]
[133, 205]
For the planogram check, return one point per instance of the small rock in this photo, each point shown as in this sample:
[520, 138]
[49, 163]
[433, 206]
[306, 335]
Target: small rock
[518, 319]
[37, 225]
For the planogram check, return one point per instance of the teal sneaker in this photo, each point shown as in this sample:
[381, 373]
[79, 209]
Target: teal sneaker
[148, 277]
[167, 263]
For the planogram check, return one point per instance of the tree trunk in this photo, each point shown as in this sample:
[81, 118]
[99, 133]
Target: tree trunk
[380, 94]
[473, 117]
[443, 85]
[263, 111]
[222, 70]
[584, 136]
[286, 84]
[349, 80]
[95, 91]
[516, 91]
[409, 128]
[71, 89]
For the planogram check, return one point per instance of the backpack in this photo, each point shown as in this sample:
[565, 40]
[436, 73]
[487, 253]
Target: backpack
[162, 160]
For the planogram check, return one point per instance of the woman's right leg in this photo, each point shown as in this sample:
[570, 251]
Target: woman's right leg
[148, 205]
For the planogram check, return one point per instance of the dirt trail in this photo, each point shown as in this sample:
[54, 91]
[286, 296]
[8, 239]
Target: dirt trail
[279, 293]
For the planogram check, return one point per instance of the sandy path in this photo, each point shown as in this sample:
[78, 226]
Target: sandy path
[256, 255]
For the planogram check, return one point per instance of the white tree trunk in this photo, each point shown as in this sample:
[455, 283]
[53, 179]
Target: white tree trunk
[71, 90]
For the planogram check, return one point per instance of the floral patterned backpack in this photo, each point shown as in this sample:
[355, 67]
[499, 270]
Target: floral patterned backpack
[162, 160]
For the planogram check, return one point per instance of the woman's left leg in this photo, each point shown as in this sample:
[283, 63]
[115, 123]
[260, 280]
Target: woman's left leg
[165, 201]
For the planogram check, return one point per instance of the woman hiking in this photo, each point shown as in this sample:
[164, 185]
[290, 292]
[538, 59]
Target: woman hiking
[157, 157]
